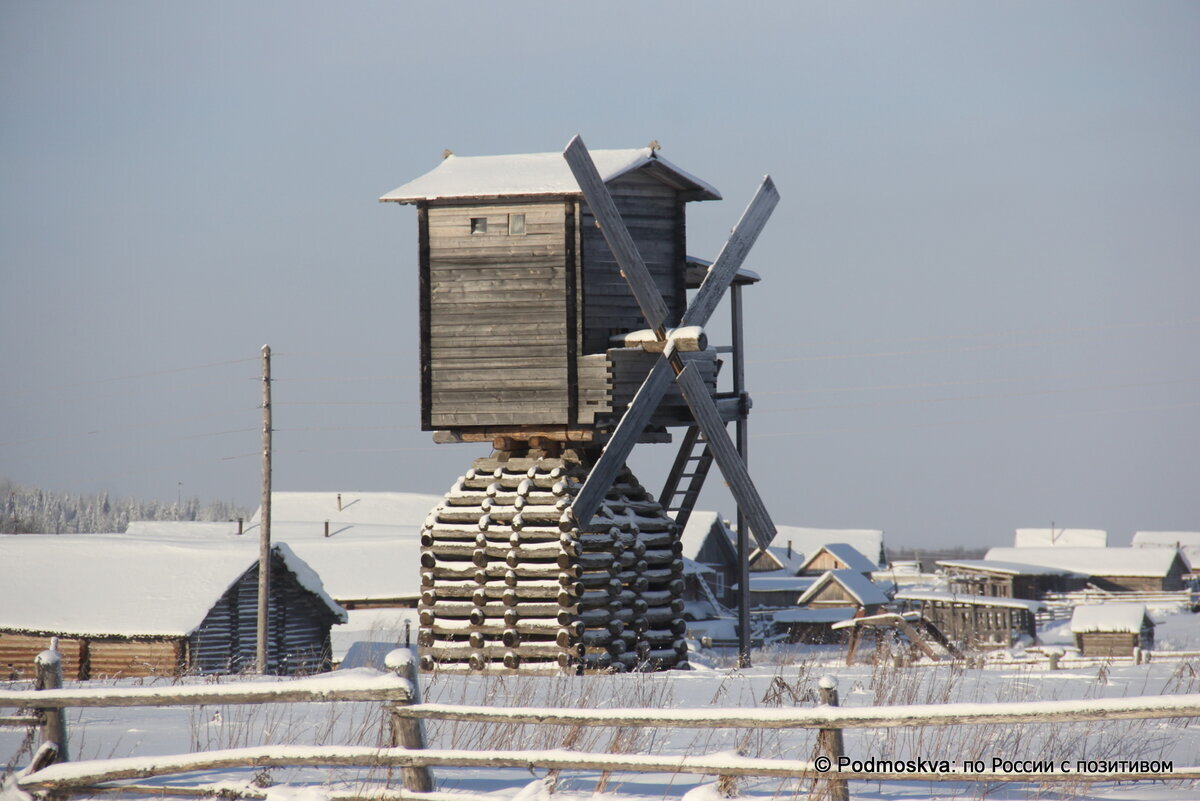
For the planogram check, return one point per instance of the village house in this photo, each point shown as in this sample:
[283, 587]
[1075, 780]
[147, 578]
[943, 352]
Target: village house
[127, 606]
[1111, 569]
[837, 556]
[708, 540]
[1008, 579]
[844, 588]
[1112, 629]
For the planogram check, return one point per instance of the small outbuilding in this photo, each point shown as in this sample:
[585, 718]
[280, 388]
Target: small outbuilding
[979, 621]
[1113, 629]
[125, 606]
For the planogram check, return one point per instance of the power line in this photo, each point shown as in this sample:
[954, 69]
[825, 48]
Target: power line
[988, 420]
[994, 396]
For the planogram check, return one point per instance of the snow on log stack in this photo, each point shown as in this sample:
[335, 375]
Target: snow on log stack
[509, 582]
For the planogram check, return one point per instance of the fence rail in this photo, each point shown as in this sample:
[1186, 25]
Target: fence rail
[401, 695]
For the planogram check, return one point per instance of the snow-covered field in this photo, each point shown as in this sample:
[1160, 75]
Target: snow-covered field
[780, 678]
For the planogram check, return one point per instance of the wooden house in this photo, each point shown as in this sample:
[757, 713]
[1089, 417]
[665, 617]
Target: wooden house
[1112, 629]
[708, 540]
[794, 544]
[523, 310]
[127, 606]
[1112, 569]
[837, 556]
[844, 588]
[995, 578]
[978, 621]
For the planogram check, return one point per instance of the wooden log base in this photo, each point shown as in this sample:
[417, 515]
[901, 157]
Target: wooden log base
[510, 583]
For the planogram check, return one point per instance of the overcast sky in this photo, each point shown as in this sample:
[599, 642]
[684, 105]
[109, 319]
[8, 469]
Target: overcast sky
[979, 300]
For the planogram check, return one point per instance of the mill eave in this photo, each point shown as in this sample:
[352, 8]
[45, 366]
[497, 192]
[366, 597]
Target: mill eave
[539, 175]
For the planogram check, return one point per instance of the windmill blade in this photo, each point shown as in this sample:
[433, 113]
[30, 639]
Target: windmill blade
[695, 392]
[613, 457]
[721, 273]
[633, 268]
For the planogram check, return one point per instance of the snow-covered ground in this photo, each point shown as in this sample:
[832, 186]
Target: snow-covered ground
[780, 678]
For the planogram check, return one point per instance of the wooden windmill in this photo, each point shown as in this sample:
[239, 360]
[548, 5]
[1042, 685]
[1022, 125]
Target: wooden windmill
[555, 325]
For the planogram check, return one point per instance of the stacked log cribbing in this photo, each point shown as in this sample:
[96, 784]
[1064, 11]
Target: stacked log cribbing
[509, 582]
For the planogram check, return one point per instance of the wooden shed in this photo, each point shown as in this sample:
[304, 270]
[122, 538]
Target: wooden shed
[979, 621]
[124, 606]
[521, 298]
[1113, 629]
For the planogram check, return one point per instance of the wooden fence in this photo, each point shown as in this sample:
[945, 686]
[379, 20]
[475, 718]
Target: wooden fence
[406, 751]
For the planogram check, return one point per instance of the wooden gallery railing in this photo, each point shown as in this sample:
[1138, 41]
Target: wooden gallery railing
[408, 754]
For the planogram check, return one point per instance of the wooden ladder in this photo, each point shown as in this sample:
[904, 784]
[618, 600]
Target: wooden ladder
[692, 463]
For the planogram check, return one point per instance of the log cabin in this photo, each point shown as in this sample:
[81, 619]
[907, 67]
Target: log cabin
[1112, 629]
[124, 606]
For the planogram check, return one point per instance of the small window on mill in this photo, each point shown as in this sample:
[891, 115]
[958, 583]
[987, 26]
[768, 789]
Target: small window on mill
[479, 225]
[516, 224]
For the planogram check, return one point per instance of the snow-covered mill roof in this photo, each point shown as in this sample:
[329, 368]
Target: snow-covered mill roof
[532, 174]
[861, 588]
[1093, 561]
[1109, 617]
[1060, 538]
[93, 585]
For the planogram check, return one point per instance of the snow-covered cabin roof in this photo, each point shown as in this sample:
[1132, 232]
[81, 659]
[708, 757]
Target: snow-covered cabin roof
[700, 526]
[535, 174]
[1188, 543]
[1152, 562]
[776, 582]
[967, 598]
[786, 560]
[112, 584]
[357, 508]
[1006, 568]
[831, 615]
[1060, 538]
[1110, 617]
[868, 542]
[846, 554]
[860, 588]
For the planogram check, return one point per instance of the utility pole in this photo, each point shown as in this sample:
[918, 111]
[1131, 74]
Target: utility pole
[743, 449]
[264, 538]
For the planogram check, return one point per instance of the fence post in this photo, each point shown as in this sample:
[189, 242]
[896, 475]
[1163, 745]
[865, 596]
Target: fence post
[1053, 654]
[409, 732]
[49, 676]
[830, 740]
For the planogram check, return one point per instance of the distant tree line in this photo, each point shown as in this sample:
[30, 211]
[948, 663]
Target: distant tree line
[29, 510]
